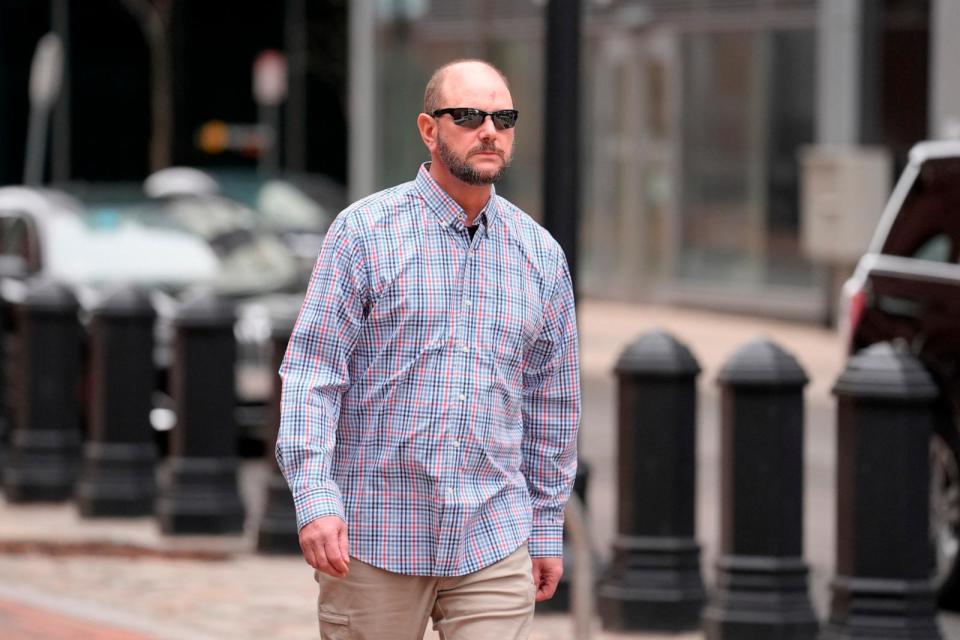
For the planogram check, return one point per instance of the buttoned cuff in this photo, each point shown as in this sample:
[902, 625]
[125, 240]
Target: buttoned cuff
[324, 500]
[546, 541]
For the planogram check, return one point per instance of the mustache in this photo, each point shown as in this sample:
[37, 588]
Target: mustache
[486, 148]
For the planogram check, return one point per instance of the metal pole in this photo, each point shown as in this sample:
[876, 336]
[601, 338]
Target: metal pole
[296, 120]
[269, 117]
[581, 600]
[561, 164]
[362, 98]
[46, 76]
[61, 136]
[561, 182]
[36, 146]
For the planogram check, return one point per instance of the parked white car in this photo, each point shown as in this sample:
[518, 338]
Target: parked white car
[167, 247]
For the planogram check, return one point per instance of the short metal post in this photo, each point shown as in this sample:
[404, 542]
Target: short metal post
[885, 419]
[581, 590]
[117, 478]
[762, 589]
[5, 378]
[43, 454]
[12, 267]
[278, 528]
[654, 582]
[199, 490]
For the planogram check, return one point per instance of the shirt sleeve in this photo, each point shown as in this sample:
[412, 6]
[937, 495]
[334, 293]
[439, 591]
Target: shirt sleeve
[315, 374]
[551, 417]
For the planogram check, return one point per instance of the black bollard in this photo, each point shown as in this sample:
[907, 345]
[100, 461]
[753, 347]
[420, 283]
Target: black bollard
[654, 582]
[42, 460]
[117, 477]
[12, 270]
[198, 488]
[278, 529]
[6, 379]
[761, 589]
[885, 419]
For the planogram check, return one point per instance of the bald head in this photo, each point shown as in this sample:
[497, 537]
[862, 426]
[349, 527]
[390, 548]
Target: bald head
[458, 71]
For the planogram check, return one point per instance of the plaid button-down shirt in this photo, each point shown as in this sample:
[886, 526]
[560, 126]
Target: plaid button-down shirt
[431, 392]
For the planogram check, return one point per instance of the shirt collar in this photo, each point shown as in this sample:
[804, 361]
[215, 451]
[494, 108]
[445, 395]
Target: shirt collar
[448, 212]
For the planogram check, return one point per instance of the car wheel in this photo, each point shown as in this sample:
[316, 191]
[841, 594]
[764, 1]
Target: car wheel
[945, 517]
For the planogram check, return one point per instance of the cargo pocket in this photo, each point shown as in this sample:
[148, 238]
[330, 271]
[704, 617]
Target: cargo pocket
[334, 626]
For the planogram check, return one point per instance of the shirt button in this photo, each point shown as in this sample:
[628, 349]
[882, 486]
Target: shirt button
[463, 397]
[467, 302]
[449, 491]
[466, 348]
[455, 444]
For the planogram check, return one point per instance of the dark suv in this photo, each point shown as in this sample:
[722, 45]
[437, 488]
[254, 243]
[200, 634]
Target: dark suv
[906, 290]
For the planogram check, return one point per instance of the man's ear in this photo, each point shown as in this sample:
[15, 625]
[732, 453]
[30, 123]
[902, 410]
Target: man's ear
[427, 125]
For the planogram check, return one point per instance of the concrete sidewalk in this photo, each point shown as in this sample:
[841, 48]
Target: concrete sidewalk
[123, 576]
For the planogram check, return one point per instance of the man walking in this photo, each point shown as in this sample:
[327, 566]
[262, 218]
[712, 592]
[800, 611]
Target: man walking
[431, 392]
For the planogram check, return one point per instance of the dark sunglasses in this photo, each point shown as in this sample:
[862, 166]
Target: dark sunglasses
[472, 118]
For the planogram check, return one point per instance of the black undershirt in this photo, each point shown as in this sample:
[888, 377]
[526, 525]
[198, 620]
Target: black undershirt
[472, 230]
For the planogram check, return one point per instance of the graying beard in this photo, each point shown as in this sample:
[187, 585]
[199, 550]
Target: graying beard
[464, 171]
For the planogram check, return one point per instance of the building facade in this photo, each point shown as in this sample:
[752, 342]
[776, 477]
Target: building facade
[694, 116]
[694, 113]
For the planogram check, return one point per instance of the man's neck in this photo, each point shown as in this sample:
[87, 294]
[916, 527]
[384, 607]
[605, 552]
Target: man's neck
[471, 198]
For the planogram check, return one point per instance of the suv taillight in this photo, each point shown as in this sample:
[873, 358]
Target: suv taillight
[854, 314]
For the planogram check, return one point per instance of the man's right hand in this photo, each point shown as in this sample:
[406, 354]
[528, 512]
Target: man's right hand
[325, 546]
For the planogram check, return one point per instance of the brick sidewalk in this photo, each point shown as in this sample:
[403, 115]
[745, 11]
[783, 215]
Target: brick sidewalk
[244, 595]
[57, 569]
[22, 622]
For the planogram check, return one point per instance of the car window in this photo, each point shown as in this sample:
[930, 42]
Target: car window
[286, 206]
[927, 227]
[936, 249]
[16, 239]
[12, 237]
[104, 247]
[251, 258]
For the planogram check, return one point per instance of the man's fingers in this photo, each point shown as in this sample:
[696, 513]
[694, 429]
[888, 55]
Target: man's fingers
[324, 545]
[334, 557]
[547, 587]
[344, 544]
[546, 576]
[309, 555]
[323, 564]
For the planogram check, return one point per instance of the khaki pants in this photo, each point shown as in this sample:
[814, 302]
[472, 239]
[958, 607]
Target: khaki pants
[495, 603]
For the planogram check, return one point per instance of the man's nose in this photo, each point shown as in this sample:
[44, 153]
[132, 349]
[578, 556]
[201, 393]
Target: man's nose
[487, 128]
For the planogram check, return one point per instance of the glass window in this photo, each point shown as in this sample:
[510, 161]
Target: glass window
[928, 224]
[747, 108]
[16, 240]
[936, 249]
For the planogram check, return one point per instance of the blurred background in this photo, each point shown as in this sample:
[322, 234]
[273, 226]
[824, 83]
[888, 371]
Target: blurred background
[693, 112]
[734, 160]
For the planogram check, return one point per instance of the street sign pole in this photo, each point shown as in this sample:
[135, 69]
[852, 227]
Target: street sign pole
[561, 155]
[561, 178]
[270, 90]
[46, 74]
